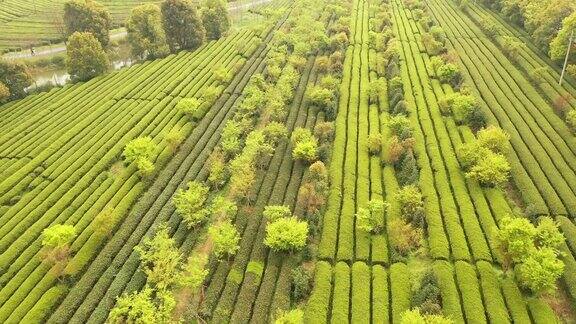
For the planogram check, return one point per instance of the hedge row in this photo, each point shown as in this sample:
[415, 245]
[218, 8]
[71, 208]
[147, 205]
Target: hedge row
[380, 295]
[495, 306]
[360, 293]
[515, 301]
[341, 294]
[448, 290]
[400, 286]
[317, 306]
[470, 290]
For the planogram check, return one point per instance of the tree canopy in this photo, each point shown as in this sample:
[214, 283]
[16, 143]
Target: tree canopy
[183, 26]
[88, 16]
[215, 18]
[145, 32]
[85, 57]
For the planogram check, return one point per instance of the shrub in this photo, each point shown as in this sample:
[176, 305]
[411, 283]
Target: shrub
[408, 173]
[470, 153]
[56, 243]
[376, 87]
[400, 126]
[411, 205]
[300, 284]
[173, 138]
[324, 131]
[222, 208]
[415, 317]
[374, 143]
[275, 132]
[571, 120]
[305, 151]
[494, 139]
[322, 63]
[286, 234]
[371, 217]
[295, 316]
[189, 106]
[217, 172]
[139, 148]
[404, 238]
[225, 238]
[275, 212]
[322, 98]
[491, 170]
[136, 307]
[190, 203]
[449, 73]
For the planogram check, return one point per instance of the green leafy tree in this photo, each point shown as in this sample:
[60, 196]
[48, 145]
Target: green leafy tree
[194, 271]
[56, 242]
[174, 138]
[415, 317]
[295, 316]
[275, 212]
[494, 139]
[559, 44]
[223, 208]
[491, 170]
[225, 238]
[15, 77]
[182, 25]
[371, 217]
[411, 204]
[4, 92]
[516, 238]
[85, 57]
[88, 16]
[190, 203]
[286, 234]
[190, 107]
[136, 307]
[305, 150]
[145, 33]
[160, 259]
[140, 152]
[215, 18]
[540, 270]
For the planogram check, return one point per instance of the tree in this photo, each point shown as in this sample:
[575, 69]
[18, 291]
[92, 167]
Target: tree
[174, 138]
[559, 44]
[540, 269]
[89, 16]
[160, 259]
[4, 92]
[374, 143]
[305, 145]
[215, 19]
[491, 170]
[371, 217]
[15, 78]
[415, 317]
[286, 234]
[145, 33]
[223, 208]
[295, 316]
[225, 238]
[140, 151]
[275, 212]
[183, 27]
[190, 203]
[136, 307]
[515, 238]
[194, 271]
[494, 139]
[411, 204]
[190, 107]
[56, 242]
[85, 57]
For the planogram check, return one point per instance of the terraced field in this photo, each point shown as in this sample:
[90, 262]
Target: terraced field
[365, 68]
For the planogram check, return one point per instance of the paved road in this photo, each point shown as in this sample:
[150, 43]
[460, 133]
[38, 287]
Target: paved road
[114, 35]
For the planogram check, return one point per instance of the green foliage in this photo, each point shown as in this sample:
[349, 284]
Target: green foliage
[139, 148]
[534, 249]
[490, 170]
[415, 317]
[374, 143]
[215, 18]
[371, 217]
[540, 270]
[411, 204]
[190, 107]
[14, 78]
[275, 132]
[85, 56]
[559, 44]
[225, 238]
[301, 280]
[183, 26]
[136, 307]
[449, 73]
[295, 316]
[90, 17]
[58, 236]
[160, 259]
[145, 33]
[571, 120]
[305, 146]
[223, 208]
[324, 131]
[286, 234]
[190, 203]
[408, 172]
[323, 98]
[275, 212]
[400, 126]
[194, 272]
[494, 139]
[174, 138]
[404, 238]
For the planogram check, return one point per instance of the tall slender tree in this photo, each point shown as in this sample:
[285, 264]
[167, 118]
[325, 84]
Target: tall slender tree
[215, 19]
[145, 33]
